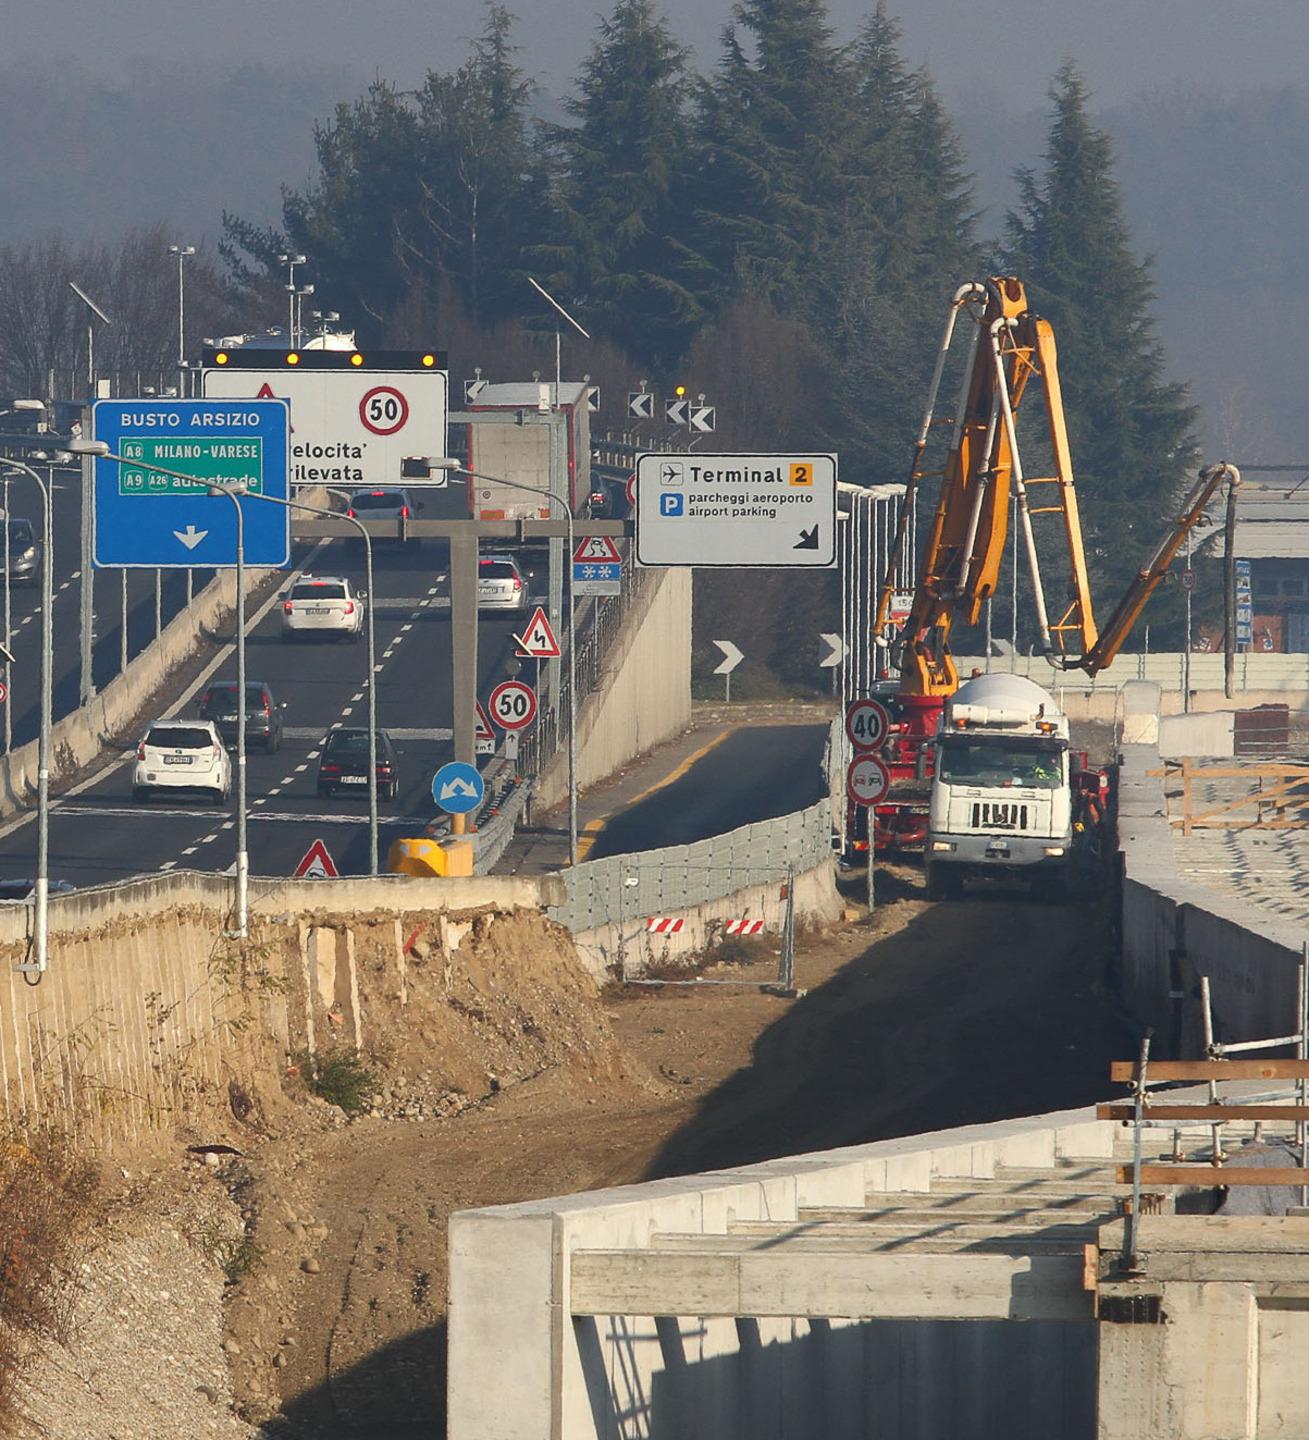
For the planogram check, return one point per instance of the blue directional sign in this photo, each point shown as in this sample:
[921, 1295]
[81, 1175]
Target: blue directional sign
[152, 506]
[457, 787]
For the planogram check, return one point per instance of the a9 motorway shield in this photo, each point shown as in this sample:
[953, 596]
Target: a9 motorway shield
[512, 705]
[724, 511]
[152, 506]
[867, 780]
[457, 787]
[866, 723]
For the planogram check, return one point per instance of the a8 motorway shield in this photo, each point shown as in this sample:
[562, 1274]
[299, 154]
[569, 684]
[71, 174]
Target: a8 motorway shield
[145, 516]
[720, 511]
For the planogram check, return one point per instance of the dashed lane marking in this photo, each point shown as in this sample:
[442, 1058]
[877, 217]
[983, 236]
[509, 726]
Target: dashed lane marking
[299, 769]
[209, 839]
[276, 817]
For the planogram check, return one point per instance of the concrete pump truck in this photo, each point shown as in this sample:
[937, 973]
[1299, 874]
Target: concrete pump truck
[1005, 788]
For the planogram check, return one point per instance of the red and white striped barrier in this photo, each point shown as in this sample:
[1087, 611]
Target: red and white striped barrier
[664, 924]
[742, 927]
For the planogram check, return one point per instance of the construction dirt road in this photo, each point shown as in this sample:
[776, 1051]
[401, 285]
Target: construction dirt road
[931, 1016]
[334, 1323]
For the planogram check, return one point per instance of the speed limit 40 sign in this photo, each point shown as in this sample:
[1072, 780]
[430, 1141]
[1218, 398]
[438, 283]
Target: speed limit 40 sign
[866, 723]
[512, 705]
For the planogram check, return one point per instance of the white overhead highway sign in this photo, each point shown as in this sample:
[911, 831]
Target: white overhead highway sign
[351, 428]
[721, 511]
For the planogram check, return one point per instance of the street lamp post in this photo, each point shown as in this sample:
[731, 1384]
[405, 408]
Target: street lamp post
[181, 251]
[446, 464]
[41, 925]
[291, 261]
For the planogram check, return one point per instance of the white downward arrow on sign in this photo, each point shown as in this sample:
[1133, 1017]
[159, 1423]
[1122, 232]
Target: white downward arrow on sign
[190, 537]
[732, 657]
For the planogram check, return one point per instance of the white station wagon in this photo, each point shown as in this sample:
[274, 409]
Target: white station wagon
[182, 755]
[326, 605]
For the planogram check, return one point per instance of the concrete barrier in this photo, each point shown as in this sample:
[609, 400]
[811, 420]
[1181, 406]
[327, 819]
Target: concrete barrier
[644, 695]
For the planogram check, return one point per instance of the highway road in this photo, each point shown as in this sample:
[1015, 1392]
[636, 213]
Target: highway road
[742, 776]
[25, 608]
[97, 833]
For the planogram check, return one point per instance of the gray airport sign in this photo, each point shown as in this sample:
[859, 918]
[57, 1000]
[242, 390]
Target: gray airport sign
[725, 511]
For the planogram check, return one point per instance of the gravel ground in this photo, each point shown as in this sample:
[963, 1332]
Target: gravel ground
[146, 1356]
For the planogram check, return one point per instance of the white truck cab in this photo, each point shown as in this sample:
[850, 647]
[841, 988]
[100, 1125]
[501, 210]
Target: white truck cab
[1001, 799]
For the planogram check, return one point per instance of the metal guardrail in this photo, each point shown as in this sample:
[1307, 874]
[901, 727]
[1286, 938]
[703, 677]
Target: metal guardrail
[622, 888]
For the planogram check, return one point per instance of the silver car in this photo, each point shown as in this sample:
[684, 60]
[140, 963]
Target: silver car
[323, 605]
[25, 550]
[501, 584]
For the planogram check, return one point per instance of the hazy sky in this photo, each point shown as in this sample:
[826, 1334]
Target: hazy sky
[1005, 49]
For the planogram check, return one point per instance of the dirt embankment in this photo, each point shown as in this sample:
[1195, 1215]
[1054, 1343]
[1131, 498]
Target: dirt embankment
[507, 1077]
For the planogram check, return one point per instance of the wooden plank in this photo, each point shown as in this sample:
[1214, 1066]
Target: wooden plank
[1215, 1175]
[1126, 1070]
[1204, 1112]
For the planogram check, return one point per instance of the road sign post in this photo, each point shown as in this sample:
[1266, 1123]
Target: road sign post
[745, 510]
[732, 657]
[153, 507]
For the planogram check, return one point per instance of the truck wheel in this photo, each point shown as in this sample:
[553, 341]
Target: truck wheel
[944, 883]
[1052, 888]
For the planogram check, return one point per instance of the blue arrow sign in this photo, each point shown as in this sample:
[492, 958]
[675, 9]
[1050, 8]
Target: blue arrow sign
[457, 787]
[146, 517]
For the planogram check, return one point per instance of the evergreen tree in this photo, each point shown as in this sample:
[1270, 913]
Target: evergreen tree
[619, 247]
[1130, 429]
[768, 132]
[482, 188]
[353, 221]
[415, 197]
[901, 240]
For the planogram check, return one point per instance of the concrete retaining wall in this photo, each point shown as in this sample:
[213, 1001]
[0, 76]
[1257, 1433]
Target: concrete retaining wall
[644, 695]
[1259, 679]
[148, 1012]
[521, 1366]
[1174, 931]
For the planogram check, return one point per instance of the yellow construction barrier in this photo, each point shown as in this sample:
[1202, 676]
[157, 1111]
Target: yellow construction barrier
[423, 856]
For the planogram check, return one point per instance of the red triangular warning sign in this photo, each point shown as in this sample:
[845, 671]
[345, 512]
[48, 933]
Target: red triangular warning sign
[265, 392]
[597, 549]
[538, 640]
[317, 864]
[482, 725]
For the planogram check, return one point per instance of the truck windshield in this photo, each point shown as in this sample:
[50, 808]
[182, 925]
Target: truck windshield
[974, 760]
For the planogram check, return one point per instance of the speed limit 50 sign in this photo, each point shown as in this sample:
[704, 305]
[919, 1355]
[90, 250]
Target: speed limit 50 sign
[353, 429]
[512, 705]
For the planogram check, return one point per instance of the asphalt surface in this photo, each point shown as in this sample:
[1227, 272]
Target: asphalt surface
[25, 610]
[738, 777]
[97, 833]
